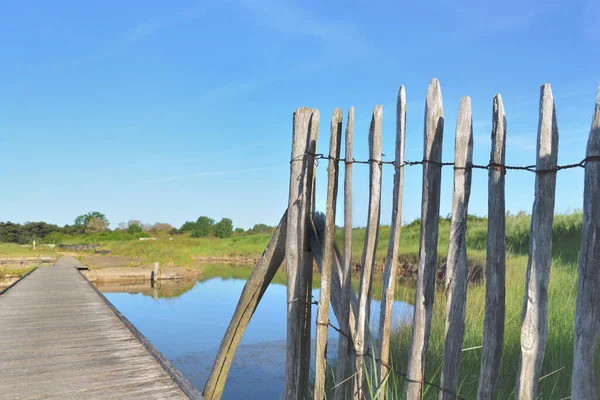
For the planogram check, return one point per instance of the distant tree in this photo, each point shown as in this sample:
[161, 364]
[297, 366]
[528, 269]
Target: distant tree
[10, 232]
[122, 226]
[224, 228]
[35, 230]
[72, 229]
[162, 227]
[239, 231]
[204, 227]
[135, 226]
[174, 231]
[95, 225]
[187, 226]
[82, 222]
[260, 228]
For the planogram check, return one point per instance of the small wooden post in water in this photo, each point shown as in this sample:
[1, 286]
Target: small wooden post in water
[587, 311]
[368, 256]
[391, 265]
[430, 216]
[324, 292]
[495, 263]
[155, 273]
[534, 329]
[297, 253]
[255, 287]
[343, 341]
[456, 266]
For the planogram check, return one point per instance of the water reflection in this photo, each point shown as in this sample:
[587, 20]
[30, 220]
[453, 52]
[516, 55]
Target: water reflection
[186, 321]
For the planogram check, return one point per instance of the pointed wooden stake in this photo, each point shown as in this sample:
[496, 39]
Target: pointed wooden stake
[587, 311]
[324, 292]
[344, 319]
[299, 261]
[368, 258]
[495, 264]
[391, 265]
[456, 266]
[430, 215]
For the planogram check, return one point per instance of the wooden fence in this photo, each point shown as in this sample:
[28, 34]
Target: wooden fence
[304, 237]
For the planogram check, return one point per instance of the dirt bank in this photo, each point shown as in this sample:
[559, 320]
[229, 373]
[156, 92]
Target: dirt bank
[144, 273]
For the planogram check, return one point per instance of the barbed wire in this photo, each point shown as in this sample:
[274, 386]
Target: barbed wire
[401, 374]
[490, 166]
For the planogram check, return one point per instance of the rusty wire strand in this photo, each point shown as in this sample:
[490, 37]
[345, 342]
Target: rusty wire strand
[490, 166]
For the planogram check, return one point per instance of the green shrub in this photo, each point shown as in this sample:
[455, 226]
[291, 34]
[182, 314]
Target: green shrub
[56, 238]
[224, 228]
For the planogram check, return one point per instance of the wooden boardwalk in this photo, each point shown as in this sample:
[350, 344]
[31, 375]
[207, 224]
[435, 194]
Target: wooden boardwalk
[60, 338]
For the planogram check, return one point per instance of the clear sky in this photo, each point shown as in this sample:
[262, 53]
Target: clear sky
[165, 111]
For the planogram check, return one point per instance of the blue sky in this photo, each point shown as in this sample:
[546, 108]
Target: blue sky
[164, 111]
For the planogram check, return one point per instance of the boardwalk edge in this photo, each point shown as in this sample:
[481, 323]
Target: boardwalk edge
[173, 372]
[17, 281]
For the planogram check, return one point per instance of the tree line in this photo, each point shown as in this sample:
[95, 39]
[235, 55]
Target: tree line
[96, 223]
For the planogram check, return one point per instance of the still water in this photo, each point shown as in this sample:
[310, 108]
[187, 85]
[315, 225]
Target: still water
[186, 322]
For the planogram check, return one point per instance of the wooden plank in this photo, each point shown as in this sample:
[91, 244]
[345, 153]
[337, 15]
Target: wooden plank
[112, 355]
[456, 266]
[297, 256]
[534, 325]
[495, 263]
[368, 256]
[587, 312]
[254, 289]
[343, 342]
[391, 264]
[427, 263]
[324, 292]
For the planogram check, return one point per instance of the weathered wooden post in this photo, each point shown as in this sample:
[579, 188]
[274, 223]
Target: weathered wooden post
[587, 311]
[255, 287]
[298, 258]
[495, 263]
[391, 264]
[456, 266]
[324, 292]
[368, 256]
[344, 319]
[430, 215]
[534, 329]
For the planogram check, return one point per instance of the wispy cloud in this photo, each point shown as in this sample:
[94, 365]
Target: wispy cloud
[286, 17]
[212, 173]
[487, 16]
[590, 19]
[140, 32]
[235, 89]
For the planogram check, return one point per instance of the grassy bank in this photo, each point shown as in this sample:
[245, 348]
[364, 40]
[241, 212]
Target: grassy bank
[13, 250]
[185, 251]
